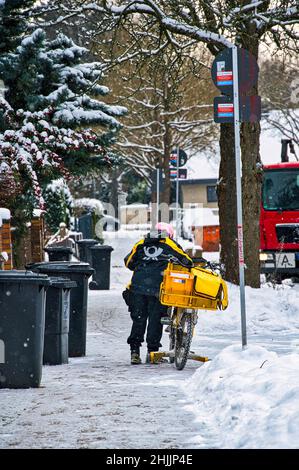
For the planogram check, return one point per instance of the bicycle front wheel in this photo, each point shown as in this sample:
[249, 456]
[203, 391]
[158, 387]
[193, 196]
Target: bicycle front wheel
[183, 340]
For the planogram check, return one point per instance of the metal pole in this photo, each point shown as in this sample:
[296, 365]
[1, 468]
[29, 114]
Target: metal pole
[177, 193]
[158, 193]
[239, 193]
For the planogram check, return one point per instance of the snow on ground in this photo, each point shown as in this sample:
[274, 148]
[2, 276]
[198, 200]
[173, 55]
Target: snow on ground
[250, 398]
[240, 399]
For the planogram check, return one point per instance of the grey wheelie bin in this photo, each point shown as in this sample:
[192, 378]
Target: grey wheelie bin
[22, 325]
[56, 344]
[101, 261]
[84, 249]
[78, 272]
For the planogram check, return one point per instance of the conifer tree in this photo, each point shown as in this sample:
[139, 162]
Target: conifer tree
[59, 201]
[52, 99]
[13, 22]
[53, 122]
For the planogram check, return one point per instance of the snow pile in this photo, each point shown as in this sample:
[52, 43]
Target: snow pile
[248, 397]
[269, 309]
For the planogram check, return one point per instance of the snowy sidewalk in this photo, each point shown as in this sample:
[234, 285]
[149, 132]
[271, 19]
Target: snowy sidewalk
[101, 401]
[240, 399]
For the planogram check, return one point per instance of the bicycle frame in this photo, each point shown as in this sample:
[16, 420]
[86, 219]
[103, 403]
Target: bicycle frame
[177, 314]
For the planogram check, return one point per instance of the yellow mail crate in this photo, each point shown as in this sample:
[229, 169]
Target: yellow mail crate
[195, 288]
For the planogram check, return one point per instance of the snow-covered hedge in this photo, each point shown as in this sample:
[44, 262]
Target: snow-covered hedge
[90, 205]
[58, 203]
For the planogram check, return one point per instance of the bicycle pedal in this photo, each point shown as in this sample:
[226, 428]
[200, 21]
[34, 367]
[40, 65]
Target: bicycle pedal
[157, 357]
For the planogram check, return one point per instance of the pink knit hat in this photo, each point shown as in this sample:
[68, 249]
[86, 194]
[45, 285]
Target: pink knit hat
[164, 227]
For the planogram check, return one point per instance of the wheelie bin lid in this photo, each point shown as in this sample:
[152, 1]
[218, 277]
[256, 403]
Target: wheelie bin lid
[87, 241]
[57, 267]
[102, 247]
[58, 248]
[24, 276]
[62, 282]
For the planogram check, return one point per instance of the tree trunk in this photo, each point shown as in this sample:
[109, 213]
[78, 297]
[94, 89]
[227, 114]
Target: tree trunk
[251, 187]
[115, 192]
[167, 143]
[227, 204]
[167, 182]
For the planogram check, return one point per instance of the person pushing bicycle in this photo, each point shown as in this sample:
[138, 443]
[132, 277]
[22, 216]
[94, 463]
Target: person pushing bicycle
[148, 259]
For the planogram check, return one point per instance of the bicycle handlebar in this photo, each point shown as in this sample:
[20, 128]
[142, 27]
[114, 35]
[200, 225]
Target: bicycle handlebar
[175, 260]
[206, 264]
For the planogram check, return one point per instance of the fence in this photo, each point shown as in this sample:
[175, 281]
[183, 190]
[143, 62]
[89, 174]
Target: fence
[6, 243]
[30, 247]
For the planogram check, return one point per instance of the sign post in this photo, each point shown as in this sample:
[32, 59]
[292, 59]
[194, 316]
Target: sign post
[178, 158]
[239, 193]
[158, 194]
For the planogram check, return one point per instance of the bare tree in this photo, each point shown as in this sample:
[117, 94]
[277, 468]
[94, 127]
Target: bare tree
[169, 103]
[218, 24]
[280, 93]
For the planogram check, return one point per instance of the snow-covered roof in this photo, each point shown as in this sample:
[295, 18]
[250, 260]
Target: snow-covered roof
[4, 213]
[201, 217]
[135, 206]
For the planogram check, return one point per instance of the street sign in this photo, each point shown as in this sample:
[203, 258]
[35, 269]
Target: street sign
[182, 175]
[246, 75]
[222, 71]
[182, 158]
[223, 109]
[249, 108]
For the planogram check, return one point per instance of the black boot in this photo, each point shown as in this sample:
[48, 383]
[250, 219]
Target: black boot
[135, 356]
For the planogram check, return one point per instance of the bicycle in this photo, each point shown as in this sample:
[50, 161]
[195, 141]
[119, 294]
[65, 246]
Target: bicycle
[182, 318]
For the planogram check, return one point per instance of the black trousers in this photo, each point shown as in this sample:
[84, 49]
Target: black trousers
[146, 311]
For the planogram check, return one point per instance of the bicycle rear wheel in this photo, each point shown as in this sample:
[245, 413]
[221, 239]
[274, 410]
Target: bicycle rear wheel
[183, 340]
